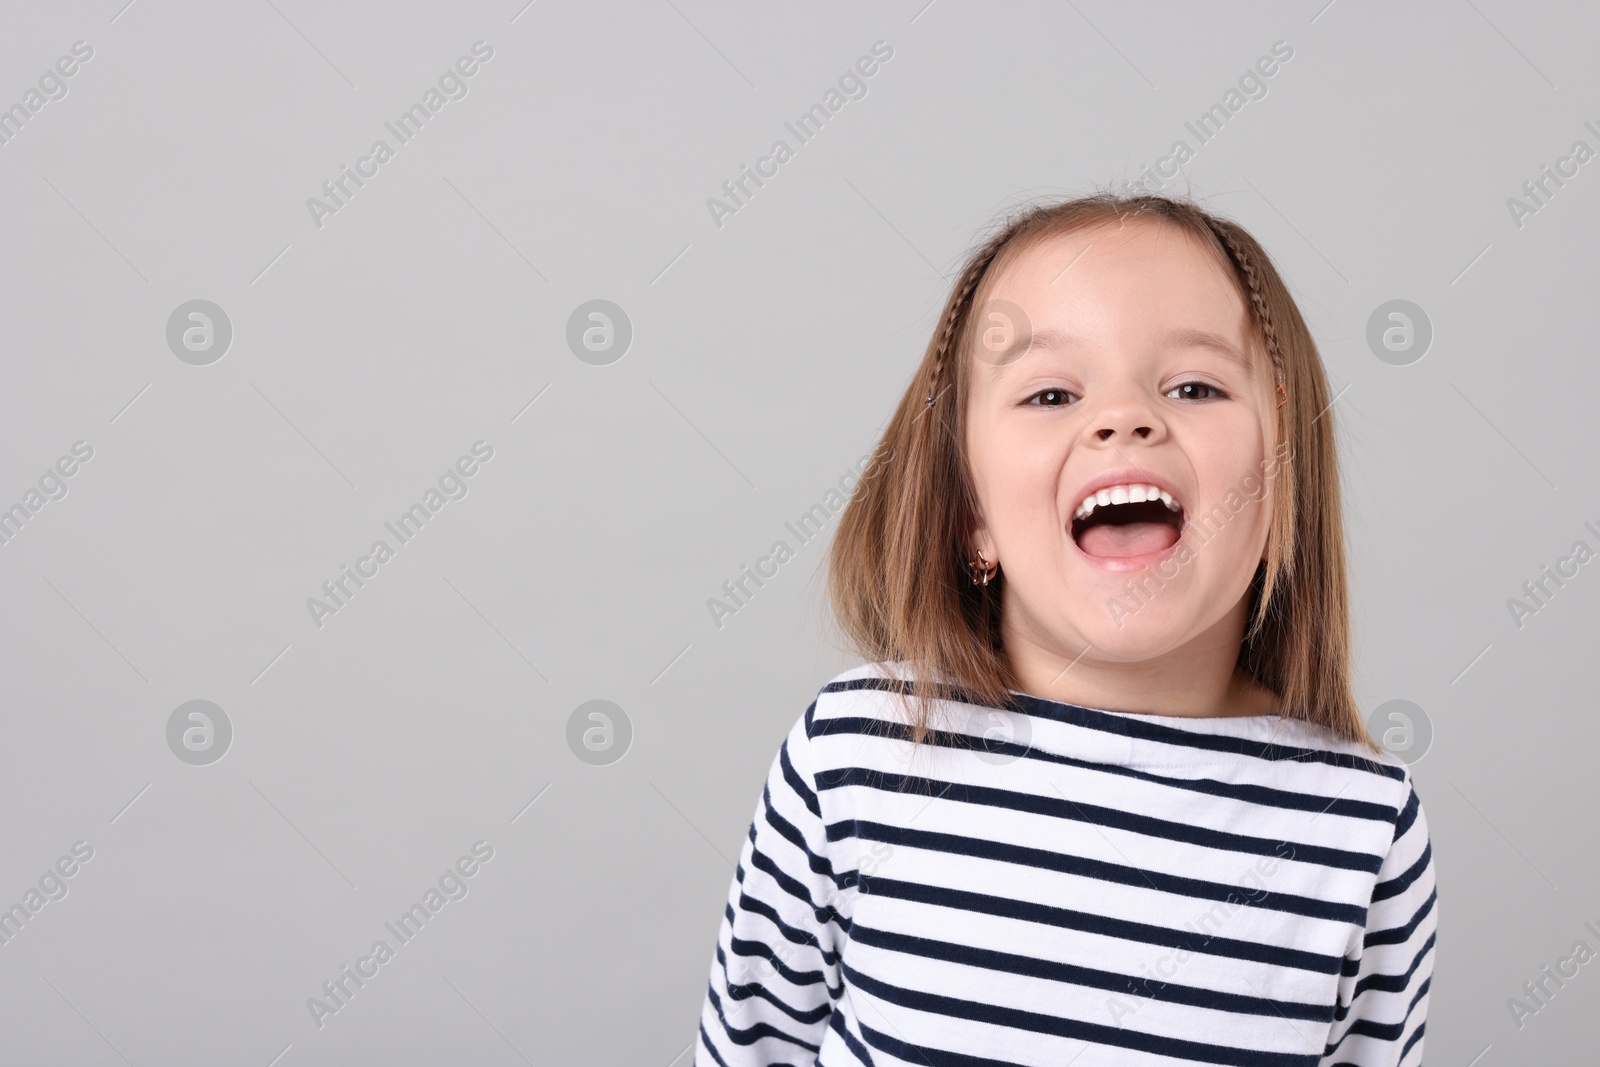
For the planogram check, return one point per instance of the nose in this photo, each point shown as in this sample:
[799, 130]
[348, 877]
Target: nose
[1105, 433]
[1126, 416]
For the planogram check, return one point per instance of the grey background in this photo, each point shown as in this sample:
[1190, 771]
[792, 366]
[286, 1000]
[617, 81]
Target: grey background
[431, 310]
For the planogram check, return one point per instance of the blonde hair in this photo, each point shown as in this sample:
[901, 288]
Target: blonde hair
[897, 568]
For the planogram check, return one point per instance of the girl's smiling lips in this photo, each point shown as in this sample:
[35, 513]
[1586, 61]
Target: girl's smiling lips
[1124, 476]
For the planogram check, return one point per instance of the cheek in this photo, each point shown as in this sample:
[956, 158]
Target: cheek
[1231, 459]
[1026, 482]
[1234, 509]
[1229, 536]
[1016, 472]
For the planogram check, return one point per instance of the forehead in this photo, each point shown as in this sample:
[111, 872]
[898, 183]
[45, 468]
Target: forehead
[1132, 274]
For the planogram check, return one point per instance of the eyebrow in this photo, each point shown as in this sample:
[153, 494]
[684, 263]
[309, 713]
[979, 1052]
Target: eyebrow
[1180, 337]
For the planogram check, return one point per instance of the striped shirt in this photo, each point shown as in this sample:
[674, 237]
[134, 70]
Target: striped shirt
[1072, 886]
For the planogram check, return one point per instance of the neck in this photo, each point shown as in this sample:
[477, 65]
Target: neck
[1197, 679]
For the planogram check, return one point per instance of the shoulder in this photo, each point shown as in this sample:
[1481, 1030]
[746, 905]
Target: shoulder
[865, 691]
[855, 704]
[1379, 775]
[889, 672]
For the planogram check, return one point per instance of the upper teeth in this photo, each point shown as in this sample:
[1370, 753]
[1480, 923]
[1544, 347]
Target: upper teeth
[1123, 494]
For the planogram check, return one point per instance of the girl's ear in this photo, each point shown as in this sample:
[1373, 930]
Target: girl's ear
[978, 539]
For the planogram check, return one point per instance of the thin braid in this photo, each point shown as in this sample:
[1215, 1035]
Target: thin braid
[1247, 266]
[975, 272]
[1253, 283]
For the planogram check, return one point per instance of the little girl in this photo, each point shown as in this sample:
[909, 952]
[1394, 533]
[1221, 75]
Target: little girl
[1103, 795]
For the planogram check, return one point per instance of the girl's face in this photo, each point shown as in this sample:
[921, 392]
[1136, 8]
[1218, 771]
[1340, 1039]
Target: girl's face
[1138, 374]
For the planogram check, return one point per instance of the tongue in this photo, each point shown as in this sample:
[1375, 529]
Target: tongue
[1130, 539]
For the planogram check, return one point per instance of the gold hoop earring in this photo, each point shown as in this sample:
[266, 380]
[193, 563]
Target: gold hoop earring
[982, 569]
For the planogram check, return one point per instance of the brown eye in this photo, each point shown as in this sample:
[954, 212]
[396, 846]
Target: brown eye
[1059, 396]
[1189, 391]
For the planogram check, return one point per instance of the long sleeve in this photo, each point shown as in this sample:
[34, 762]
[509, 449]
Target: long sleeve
[776, 972]
[1383, 995]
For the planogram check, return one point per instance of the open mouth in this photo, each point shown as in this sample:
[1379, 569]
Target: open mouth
[1122, 521]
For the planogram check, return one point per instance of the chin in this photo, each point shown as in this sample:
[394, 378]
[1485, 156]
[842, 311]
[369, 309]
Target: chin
[1144, 635]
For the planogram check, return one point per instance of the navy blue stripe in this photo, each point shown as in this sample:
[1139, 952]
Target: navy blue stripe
[1089, 977]
[791, 833]
[1400, 934]
[1397, 983]
[747, 948]
[792, 776]
[1089, 868]
[760, 907]
[1408, 814]
[799, 936]
[1393, 983]
[1104, 925]
[746, 990]
[1373, 1028]
[1403, 881]
[920, 1054]
[754, 1032]
[1060, 807]
[1416, 1035]
[788, 882]
[1265, 796]
[1093, 719]
[705, 1040]
[1059, 1026]
[1422, 990]
[849, 1039]
[823, 913]
[1364, 1028]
